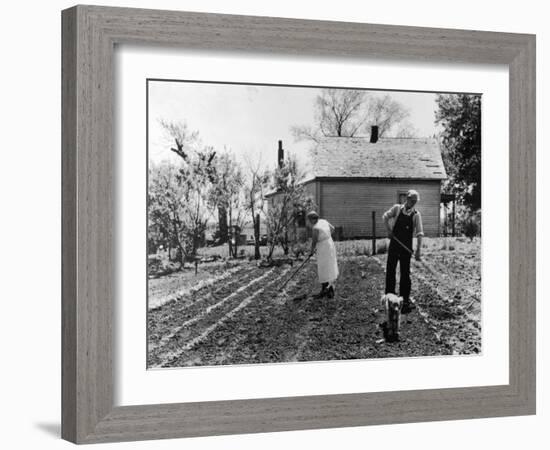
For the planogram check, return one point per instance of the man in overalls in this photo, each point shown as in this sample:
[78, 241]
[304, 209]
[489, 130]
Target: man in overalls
[407, 223]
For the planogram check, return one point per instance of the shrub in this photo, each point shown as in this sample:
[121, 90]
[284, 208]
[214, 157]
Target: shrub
[470, 222]
[158, 266]
[154, 263]
[470, 228]
[299, 249]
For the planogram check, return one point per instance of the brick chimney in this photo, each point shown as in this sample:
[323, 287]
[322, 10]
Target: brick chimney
[374, 134]
[280, 155]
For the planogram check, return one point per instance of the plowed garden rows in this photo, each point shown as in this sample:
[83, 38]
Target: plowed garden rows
[275, 328]
[446, 289]
[171, 315]
[207, 310]
[349, 328]
[453, 284]
[458, 322]
[195, 291]
[462, 266]
[180, 284]
[196, 322]
[263, 332]
[450, 322]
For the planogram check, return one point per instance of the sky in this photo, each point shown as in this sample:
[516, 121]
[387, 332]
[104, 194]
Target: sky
[249, 120]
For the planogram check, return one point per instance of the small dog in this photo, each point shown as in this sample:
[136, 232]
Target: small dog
[393, 305]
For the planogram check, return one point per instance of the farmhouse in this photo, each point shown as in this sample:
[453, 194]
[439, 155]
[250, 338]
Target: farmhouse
[352, 177]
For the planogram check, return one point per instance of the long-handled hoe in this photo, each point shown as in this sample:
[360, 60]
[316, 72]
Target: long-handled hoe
[281, 290]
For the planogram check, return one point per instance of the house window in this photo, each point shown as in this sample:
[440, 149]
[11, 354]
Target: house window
[401, 197]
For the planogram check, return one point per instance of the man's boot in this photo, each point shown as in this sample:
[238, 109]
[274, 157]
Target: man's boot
[408, 306]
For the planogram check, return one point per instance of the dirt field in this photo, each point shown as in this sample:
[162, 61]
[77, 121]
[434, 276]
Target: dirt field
[233, 313]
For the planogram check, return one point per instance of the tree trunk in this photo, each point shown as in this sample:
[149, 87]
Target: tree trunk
[195, 243]
[274, 238]
[272, 244]
[182, 256]
[285, 243]
[257, 237]
[222, 224]
[236, 246]
[229, 238]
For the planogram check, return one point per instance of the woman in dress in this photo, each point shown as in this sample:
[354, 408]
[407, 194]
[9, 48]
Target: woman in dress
[327, 266]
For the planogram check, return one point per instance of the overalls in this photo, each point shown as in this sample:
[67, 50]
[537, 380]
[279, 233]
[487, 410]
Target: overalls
[402, 230]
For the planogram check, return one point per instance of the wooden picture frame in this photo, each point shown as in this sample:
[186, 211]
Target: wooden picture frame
[89, 34]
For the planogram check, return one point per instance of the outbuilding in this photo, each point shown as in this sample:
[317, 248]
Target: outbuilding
[353, 177]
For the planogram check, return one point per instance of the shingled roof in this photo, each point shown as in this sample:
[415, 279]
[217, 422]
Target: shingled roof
[345, 157]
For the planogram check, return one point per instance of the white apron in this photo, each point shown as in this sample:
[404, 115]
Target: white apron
[327, 266]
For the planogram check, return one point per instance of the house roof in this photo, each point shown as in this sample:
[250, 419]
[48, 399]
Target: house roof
[346, 157]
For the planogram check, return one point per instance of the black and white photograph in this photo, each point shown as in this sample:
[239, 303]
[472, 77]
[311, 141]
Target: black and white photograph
[294, 224]
[262, 225]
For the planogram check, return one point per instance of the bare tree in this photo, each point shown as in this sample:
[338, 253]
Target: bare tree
[305, 133]
[197, 174]
[237, 219]
[225, 192]
[171, 208]
[406, 130]
[349, 112]
[337, 113]
[183, 137]
[256, 181]
[289, 202]
[385, 112]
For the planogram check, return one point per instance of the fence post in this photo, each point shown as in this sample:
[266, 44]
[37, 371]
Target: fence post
[445, 219]
[454, 218]
[374, 232]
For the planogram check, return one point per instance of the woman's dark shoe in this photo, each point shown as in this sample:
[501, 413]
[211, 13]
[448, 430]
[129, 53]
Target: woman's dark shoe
[323, 291]
[330, 292]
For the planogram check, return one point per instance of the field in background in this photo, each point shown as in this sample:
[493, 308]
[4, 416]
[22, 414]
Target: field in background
[233, 312]
[354, 247]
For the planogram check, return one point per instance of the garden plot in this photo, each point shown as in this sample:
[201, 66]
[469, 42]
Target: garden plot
[446, 286]
[244, 318]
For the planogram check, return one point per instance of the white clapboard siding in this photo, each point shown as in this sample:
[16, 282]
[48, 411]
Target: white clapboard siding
[349, 204]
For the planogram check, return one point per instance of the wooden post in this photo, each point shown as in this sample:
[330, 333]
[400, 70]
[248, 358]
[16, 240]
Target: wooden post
[257, 237]
[445, 219]
[454, 216]
[374, 232]
[236, 237]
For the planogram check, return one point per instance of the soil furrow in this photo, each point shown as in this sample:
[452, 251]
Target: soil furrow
[244, 319]
[257, 333]
[194, 331]
[173, 314]
[200, 314]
